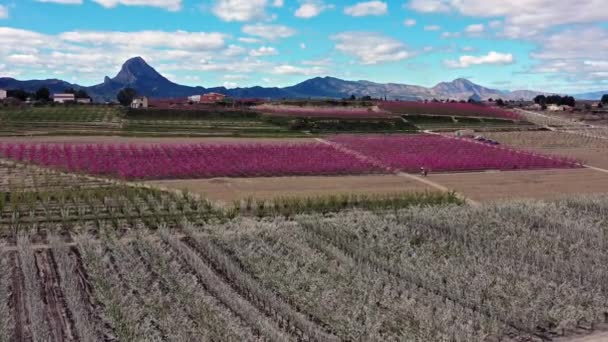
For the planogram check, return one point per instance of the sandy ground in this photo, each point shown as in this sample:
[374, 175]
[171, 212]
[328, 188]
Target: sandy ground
[545, 184]
[228, 189]
[151, 140]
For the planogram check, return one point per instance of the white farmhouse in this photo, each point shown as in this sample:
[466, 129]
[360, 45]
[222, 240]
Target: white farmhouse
[139, 102]
[2, 94]
[64, 98]
[194, 98]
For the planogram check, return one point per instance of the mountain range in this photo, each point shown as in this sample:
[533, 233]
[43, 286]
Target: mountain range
[137, 74]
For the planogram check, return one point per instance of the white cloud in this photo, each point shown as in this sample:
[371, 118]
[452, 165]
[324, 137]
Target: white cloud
[178, 39]
[287, 69]
[362, 9]
[429, 6]
[3, 12]
[235, 77]
[311, 9]
[302, 46]
[22, 59]
[432, 28]
[234, 50]
[263, 51]
[243, 10]
[584, 57]
[494, 24]
[371, 48]
[409, 22]
[230, 84]
[475, 29]
[493, 57]
[249, 40]
[170, 5]
[270, 32]
[522, 18]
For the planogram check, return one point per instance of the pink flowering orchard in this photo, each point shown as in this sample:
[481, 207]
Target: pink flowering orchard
[191, 161]
[438, 153]
[348, 155]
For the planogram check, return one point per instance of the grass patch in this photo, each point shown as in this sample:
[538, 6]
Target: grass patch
[291, 206]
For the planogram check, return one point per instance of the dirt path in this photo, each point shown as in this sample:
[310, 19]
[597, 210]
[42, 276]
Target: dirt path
[21, 322]
[416, 178]
[57, 312]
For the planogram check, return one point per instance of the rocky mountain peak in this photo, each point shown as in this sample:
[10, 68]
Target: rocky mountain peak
[136, 69]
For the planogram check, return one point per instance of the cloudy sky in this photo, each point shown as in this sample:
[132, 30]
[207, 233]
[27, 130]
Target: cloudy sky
[553, 45]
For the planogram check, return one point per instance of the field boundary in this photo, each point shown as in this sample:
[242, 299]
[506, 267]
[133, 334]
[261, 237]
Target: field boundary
[397, 172]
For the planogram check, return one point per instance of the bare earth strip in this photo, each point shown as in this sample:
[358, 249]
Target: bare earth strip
[543, 184]
[590, 151]
[151, 140]
[228, 189]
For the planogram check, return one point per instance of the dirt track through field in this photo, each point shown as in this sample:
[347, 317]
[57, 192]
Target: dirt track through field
[416, 178]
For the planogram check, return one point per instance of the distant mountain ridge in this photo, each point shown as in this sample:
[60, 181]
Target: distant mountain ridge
[593, 96]
[137, 74]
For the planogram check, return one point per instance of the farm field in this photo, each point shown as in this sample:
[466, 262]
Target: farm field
[229, 189]
[226, 247]
[537, 184]
[449, 109]
[104, 139]
[591, 151]
[441, 154]
[430, 273]
[339, 155]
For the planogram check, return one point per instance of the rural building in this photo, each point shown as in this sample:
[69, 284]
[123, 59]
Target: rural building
[207, 98]
[85, 100]
[139, 102]
[194, 98]
[63, 98]
[2, 94]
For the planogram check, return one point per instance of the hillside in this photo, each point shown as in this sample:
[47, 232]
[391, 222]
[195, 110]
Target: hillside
[138, 74]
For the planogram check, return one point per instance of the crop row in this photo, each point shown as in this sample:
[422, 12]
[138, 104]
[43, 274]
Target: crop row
[527, 271]
[322, 112]
[80, 114]
[189, 161]
[400, 153]
[471, 274]
[439, 153]
[450, 109]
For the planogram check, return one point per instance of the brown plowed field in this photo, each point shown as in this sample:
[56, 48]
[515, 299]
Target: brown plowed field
[545, 184]
[228, 189]
[591, 151]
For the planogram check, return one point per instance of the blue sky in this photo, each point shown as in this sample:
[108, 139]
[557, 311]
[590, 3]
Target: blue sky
[506, 45]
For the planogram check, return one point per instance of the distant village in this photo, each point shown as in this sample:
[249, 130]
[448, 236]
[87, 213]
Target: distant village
[81, 97]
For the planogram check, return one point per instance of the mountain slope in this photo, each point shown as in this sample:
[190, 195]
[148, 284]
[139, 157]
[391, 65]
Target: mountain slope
[593, 96]
[54, 85]
[137, 74]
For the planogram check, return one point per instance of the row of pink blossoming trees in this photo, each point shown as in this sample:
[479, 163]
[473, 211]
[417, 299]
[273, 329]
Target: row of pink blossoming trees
[348, 155]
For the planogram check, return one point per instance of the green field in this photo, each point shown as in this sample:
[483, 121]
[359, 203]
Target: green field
[216, 122]
[442, 122]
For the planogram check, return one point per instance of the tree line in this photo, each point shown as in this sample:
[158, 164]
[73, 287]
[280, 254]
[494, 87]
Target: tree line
[555, 99]
[44, 94]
